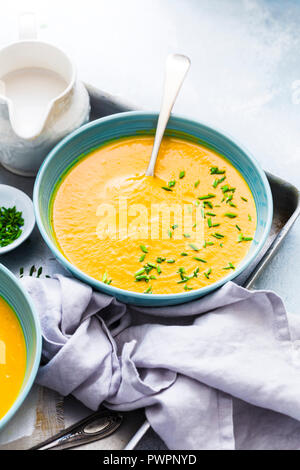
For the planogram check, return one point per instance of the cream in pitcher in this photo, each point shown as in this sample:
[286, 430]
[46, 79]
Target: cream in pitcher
[41, 100]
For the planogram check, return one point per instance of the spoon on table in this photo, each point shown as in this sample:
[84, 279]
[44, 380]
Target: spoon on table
[177, 66]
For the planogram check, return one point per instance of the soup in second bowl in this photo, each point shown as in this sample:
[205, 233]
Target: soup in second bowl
[186, 228]
[12, 357]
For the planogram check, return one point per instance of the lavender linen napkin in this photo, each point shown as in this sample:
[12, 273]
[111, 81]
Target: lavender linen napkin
[208, 372]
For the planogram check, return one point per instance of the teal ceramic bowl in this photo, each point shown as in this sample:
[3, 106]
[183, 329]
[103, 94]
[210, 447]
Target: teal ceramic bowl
[14, 294]
[99, 132]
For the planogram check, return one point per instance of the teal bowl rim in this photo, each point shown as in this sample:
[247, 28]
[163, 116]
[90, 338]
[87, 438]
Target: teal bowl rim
[116, 291]
[23, 394]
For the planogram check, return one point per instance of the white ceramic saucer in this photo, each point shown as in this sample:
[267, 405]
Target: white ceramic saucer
[10, 197]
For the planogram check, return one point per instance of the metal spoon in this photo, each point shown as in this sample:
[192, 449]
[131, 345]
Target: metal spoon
[177, 67]
[97, 426]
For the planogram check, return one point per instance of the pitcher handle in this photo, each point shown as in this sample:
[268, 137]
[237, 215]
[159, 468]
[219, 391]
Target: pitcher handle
[27, 26]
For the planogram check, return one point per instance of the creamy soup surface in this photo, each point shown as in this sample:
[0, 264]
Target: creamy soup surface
[187, 227]
[12, 357]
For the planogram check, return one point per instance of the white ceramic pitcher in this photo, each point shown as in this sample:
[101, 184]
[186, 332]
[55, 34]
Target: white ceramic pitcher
[41, 100]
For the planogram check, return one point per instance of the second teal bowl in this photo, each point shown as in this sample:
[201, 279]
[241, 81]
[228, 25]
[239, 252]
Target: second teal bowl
[96, 134]
[14, 294]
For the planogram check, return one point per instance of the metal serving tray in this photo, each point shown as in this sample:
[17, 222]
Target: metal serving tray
[35, 252]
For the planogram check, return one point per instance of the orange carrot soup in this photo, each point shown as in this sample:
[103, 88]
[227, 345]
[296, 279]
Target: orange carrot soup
[12, 357]
[183, 229]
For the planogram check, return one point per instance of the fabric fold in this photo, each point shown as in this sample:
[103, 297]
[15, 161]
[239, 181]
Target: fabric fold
[187, 364]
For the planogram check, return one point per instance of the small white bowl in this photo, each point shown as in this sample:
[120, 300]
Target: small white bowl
[10, 197]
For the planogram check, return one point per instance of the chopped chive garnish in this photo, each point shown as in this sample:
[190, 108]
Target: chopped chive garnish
[160, 259]
[143, 248]
[21, 272]
[170, 233]
[194, 226]
[151, 265]
[105, 279]
[11, 222]
[221, 245]
[208, 196]
[171, 183]
[210, 224]
[158, 269]
[239, 228]
[194, 247]
[187, 235]
[32, 270]
[207, 244]
[185, 279]
[227, 189]
[152, 277]
[244, 199]
[197, 184]
[148, 291]
[166, 188]
[139, 272]
[207, 273]
[149, 268]
[142, 258]
[218, 181]
[199, 259]
[203, 213]
[241, 238]
[181, 174]
[230, 266]
[143, 277]
[230, 215]
[186, 287]
[212, 214]
[197, 203]
[174, 226]
[249, 217]
[184, 254]
[217, 235]
[170, 261]
[215, 171]
[40, 270]
[208, 204]
[231, 204]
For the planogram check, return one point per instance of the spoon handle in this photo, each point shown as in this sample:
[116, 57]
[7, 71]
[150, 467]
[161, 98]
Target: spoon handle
[97, 426]
[177, 67]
